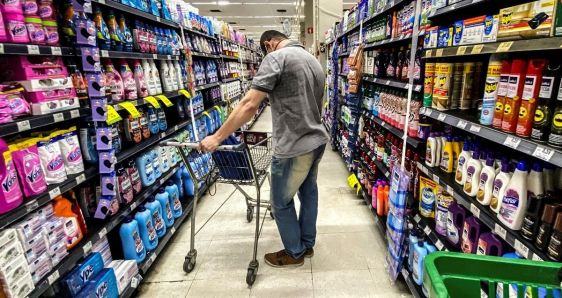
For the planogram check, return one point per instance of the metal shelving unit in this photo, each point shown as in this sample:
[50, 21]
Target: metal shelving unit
[27, 49]
[415, 142]
[32, 122]
[136, 12]
[136, 55]
[428, 228]
[206, 86]
[391, 41]
[514, 46]
[391, 83]
[414, 288]
[204, 55]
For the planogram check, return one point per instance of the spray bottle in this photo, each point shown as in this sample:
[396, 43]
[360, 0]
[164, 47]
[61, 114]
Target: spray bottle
[543, 113]
[491, 90]
[529, 102]
[502, 93]
[514, 92]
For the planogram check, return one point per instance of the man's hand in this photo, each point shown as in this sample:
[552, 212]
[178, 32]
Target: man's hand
[209, 144]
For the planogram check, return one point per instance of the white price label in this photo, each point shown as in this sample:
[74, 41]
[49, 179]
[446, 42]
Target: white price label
[1, 48]
[154, 56]
[162, 135]
[81, 178]
[55, 192]
[439, 245]
[33, 49]
[383, 124]
[74, 114]
[173, 230]
[543, 153]
[162, 181]
[427, 230]
[24, 125]
[512, 142]
[53, 277]
[475, 210]
[169, 57]
[387, 174]
[135, 282]
[32, 206]
[475, 128]
[418, 87]
[133, 205]
[176, 127]
[438, 52]
[537, 258]
[417, 218]
[87, 248]
[500, 231]
[58, 117]
[56, 51]
[387, 82]
[461, 124]
[441, 117]
[407, 86]
[436, 178]
[101, 1]
[102, 233]
[521, 248]
[104, 53]
[157, 19]
[450, 190]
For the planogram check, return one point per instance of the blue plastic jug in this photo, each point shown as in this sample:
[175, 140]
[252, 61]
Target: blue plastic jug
[178, 182]
[174, 197]
[156, 164]
[152, 120]
[146, 228]
[146, 171]
[156, 210]
[162, 124]
[189, 189]
[133, 247]
[167, 213]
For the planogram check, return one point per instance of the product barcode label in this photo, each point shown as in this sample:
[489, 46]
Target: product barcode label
[31, 206]
[55, 192]
[53, 277]
[543, 153]
[474, 128]
[461, 124]
[56, 51]
[102, 233]
[500, 231]
[58, 117]
[477, 49]
[521, 248]
[461, 50]
[504, 46]
[537, 258]
[81, 178]
[439, 245]
[475, 210]
[438, 52]
[512, 142]
[173, 230]
[427, 230]
[33, 49]
[74, 114]
[104, 53]
[87, 248]
[441, 117]
[24, 125]
[429, 53]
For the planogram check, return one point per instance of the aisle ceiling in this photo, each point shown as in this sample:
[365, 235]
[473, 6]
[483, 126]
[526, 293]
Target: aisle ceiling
[256, 16]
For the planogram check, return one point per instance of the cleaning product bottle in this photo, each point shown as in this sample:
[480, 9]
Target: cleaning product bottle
[514, 202]
[174, 197]
[554, 250]
[62, 208]
[164, 158]
[156, 77]
[555, 136]
[143, 123]
[114, 32]
[464, 157]
[457, 149]
[134, 176]
[179, 183]
[514, 92]
[490, 244]
[115, 81]
[419, 255]
[529, 97]
[549, 214]
[152, 120]
[187, 182]
[473, 169]
[129, 83]
[548, 177]
[133, 248]
[102, 32]
[126, 34]
[149, 78]
[146, 171]
[491, 90]
[165, 77]
[156, 210]
[146, 228]
[412, 242]
[470, 234]
[140, 80]
[486, 184]
[443, 201]
[178, 75]
[10, 192]
[167, 213]
[439, 150]
[543, 114]
[162, 124]
[430, 249]
[502, 93]
[535, 202]
[156, 164]
[447, 156]
[173, 76]
[500, 184]
[431, 148]
[455, 221]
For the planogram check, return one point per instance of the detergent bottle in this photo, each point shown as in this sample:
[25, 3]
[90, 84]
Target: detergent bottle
[166, 77]
[167, 214]
[514, 201]
[470, 234]
[431, 150]
[140, 80]
[156, 77]
[156, 163]
[149, 82]
[500, 184]
[455, 220]
[174, 197]
[155, 209]
[535, 193]
[472, 175]
[102, 32]
[146, 170]
[10, 192]
[127, 36]
[419, 255]
[62, 208]
[133, 247]
[490, 244]
[146, 228]
[114, 81]
[164, 158]
[174, 84]
[464, 157]
[179, 183]
[114, 32]
[129, 83]
[187, 182]
[412, 242]
[486, 182]
[152, 120]
[162, 124]
[447, 156]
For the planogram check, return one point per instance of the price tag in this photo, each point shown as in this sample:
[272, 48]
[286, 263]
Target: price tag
[165, 100]
[428, 53]
[427, 230]
[130, 108]
[135, 282]
[101, 1]
[153, 101]
[461, 124]
[521, 248]
[33, 49]
[104, 53]
[112, 115]
[53, 277]
[450, 190]
[543, 153]
[162, 135]
[461, 50]
[81, 178]
[74, 114]
[436, 178]
[24, 125]
[504, 46]
[102, 233]
[417, 218]
[176, 127]
[383, 124]
[169, 57]
[56, 51]
[32, 206]
[387, 174]
[184, 93]
[439, 245]
[154, 56]
[477, 49]
[500, 231]
[157, 19]
[173, 230]
[1, 48]
[512, 142]
[537, 258]
[441, 117]
[55, 192]
[87, 248]
[407, 86]
[474, 128]
[352, 181]
[133, 206]
[151, 259]
[438, 52]
[475, 210]
[387, 82]
[58, 117]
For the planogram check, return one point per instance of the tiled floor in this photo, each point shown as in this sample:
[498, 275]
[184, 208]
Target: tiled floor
[348, 261]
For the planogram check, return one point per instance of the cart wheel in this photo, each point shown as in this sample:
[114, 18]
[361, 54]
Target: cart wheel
[250, 214]
[189, 264]
[251, 276]
[271, 214]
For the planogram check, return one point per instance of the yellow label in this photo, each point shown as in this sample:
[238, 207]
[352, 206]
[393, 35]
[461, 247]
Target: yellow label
[353, 182]
[112, 115]
[438, 52]
[130, 108]
[428, 53]
[477, 49]
[184, 93]
[152, 100]
[504, 46]
[461, 50]
[165, 100]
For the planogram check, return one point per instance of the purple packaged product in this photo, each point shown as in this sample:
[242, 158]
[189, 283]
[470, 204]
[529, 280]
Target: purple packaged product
[124, 186]
[134, 176]
[82, 6]
[85, 31]
[107, 205]
[470, 234]
[104, 141]
[108, 184]
[30, 7]
[28, 165]
[95, 84]
[455, 221]
[90, 59]
[490, 244]
[99, 109]
[107, 162]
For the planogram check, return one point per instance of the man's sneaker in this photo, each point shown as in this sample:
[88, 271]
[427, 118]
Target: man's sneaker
[309, 253]
[282, 259]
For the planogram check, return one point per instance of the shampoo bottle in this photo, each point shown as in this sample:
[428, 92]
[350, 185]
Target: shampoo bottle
[514, 202]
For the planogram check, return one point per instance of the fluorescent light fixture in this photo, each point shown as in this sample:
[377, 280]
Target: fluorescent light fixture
[224, 2]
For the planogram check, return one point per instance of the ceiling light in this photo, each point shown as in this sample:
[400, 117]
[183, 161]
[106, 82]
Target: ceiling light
[223, 2]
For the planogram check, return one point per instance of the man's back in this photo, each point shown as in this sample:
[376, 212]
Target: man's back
[294, 80]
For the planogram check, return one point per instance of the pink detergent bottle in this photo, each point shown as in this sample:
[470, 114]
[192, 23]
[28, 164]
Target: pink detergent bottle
[138, 72]
[28, 165]
[10, 192]
[115, 82]
[3, 34]
[129, 84]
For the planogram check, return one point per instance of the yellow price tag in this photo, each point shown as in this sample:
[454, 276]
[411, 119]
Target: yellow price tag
[184, 93]
[165, 100]
[504, 46]
[438, 52]
[477, 49]
[428, 53]
[130, 108]
[461, 50]
[353, 182]
[152, 100]
[112, 115]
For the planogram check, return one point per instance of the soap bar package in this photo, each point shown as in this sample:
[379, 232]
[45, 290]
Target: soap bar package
[20, 288]
[125, 270]
[104, 285]
[77, 279]
[102, 246]
[527, 20]
[14, 270]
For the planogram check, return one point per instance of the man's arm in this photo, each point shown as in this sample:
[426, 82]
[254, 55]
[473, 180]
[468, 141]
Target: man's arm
[243, 113]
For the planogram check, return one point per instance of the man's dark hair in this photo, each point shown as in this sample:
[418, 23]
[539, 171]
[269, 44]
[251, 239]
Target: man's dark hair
[268, 36]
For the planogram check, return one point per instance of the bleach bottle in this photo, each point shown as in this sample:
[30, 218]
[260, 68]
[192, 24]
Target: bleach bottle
[146, 171]
[188, 186]
[156, 210]
[174, 198]
[10, 192]
[133, 248]
[146, 228]
[167, 214]
[178, 182]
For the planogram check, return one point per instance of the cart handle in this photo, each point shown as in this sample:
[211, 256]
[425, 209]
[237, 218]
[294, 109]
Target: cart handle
[238, 147]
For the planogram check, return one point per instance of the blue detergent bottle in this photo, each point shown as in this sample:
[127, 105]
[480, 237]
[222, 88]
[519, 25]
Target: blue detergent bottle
[146, 228]
[178, 182]
[146, 171]
[162, 124]
[167, 213]
[133, 248]
[164, 158]
[419, 255]
[189, 189]
[174, 197]
[429, 248]
[412, 242]
[152, 120]
[156, 210]
[156, 164]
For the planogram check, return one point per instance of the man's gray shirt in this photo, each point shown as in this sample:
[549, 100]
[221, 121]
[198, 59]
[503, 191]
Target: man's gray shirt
[294, 80]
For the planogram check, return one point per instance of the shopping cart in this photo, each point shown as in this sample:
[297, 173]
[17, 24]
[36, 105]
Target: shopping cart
[449, 274]
[243, 164]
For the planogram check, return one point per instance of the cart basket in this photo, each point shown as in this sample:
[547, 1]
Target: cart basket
[450, 274]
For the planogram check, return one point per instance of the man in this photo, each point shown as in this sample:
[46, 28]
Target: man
[294, 82]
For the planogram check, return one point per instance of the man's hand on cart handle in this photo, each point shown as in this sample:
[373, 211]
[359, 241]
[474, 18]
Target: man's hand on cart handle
[209, 144]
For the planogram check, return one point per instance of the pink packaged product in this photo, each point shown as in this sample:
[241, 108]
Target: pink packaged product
[11, 6]
[16, 29]
[72, 155]
[33, 67]
[30, 7]
[40, 267]
[52, 161]
[46, 10]
[28, 228]
[51, 32]
[35, 30]
[28, 165]
[50, 95]
[3, 34]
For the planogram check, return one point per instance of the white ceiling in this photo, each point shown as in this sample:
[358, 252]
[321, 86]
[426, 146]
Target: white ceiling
[256, 16]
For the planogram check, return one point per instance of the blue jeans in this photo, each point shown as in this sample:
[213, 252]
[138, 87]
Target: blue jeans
[290, 176]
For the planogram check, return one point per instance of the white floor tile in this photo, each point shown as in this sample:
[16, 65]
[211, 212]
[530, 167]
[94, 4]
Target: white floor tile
[346, 283]
[169, 264]
[176, 289]
[222, 287]
[283, 285]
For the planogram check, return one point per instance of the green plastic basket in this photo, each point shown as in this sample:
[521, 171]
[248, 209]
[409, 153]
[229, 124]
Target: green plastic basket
[450, 274]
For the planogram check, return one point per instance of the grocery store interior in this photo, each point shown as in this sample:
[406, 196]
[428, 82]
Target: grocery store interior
[442, 175]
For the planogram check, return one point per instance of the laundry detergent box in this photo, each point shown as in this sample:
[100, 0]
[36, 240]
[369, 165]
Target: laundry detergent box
[430, 38]
[528, 20]
[124, 270]
[20, 288]
[445, 37]
[78, 278]
[103, 285]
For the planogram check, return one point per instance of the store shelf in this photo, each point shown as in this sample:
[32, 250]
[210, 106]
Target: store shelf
[461, 119]
[206, 86]
[469, 8]
[27, 49]
[391, 83]
[205, 55]
[136, 55]
[440, 242]
[343, 75]
[141, 101]
[189, 30]
[380, 222]
[226, 57]
[390, 5]
[415, 142]
[344, 54]
[527, 45]
[381, 166]
[230, 80]
[391, 41]
[414, 288]
[484, 213]
[32, 122]
[131, 289]
[137, 12]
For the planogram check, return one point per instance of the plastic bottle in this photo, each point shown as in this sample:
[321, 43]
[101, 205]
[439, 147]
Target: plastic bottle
[470, 234]
[162, 124]
[514, 92]
[134, 176]
[455, 220]
[129, 83]
[543, 114]
[490, 244]
[156, 163]
[187, 182]
[548, 173]
[133, 247]
[529, 97]
[146, 170]
[10, 193]
[412, 242]
[179, 183]
[156, 210]
[514, 202]
[149, 77]
[127, 37]
[430, 249]
[486, 184]
[156, 77]
[167, 213]
[549, 215]
[460, 173]
[439, 149]
[419, 255]
[535, 202]
[166, 80]
[115, 81]
[114, 32]
[502, 93]
[555, 136]
[554, 250]
[447, 157]
[173, 76]
[146, 228]
[178, 75]
[457, 149]
[500, 184]
[473, 169]
[152, 120]
[164, 161]
[174, 197]
[431, 148]
[140, 80]
[491, 90]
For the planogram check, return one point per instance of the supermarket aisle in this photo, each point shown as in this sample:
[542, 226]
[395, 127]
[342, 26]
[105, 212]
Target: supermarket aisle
[348, 261]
